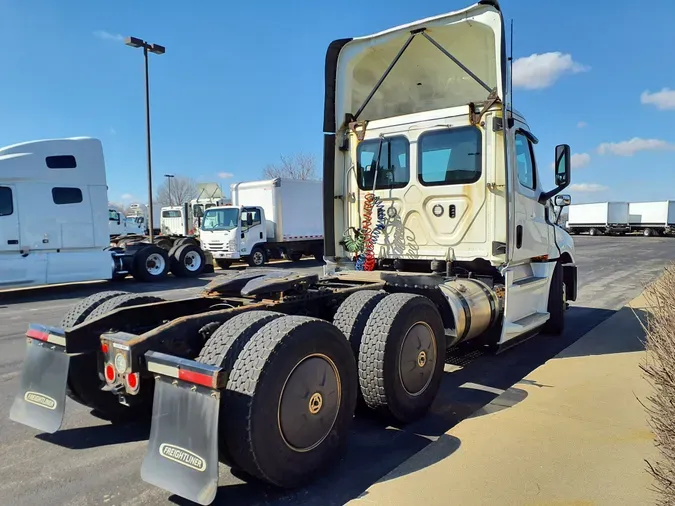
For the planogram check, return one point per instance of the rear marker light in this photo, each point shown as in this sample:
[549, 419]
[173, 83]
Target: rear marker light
[37, 334]
[104, 348]
[196, 377]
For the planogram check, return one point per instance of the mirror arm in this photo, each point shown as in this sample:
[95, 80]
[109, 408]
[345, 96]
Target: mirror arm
[552, 193]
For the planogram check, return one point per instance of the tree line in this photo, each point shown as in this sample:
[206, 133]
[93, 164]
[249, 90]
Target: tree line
[179, 189]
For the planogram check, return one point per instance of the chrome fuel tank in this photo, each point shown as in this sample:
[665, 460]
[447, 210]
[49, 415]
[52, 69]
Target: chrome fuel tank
[475, 308]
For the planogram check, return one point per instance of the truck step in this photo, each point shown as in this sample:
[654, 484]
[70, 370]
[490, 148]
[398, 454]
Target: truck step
[530, 282]
[526, 324]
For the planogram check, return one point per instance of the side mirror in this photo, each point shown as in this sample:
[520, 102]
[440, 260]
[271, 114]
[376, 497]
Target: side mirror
[562, 200]
[563, 172]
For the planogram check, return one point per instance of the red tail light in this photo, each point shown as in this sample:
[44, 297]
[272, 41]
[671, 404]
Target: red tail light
[104, 348]
[196, 377]
[132, 380]
[109, 373]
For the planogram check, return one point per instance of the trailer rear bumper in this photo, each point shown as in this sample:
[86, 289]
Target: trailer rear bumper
[182, 454]
[41, 400]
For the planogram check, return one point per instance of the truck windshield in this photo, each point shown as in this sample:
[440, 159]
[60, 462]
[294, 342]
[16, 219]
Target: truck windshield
[220, 219]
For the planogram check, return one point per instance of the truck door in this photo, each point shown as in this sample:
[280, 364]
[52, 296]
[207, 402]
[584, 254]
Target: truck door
[16, 268]
[531, 237]
[252, 229]
[9, 221]
[115, 222]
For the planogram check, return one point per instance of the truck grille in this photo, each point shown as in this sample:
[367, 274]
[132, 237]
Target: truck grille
[217, 246]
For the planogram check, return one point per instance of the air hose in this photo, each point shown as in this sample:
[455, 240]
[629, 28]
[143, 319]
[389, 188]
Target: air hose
[366, 237]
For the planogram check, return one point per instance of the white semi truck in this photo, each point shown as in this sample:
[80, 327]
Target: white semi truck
[122, 226]
[267, 219]
[437, 231]
[599, 218]
[652, 218]
[55, 220]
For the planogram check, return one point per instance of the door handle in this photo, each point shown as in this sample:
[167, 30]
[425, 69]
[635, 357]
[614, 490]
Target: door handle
[12, 241]
[519, 236]
[261, 235]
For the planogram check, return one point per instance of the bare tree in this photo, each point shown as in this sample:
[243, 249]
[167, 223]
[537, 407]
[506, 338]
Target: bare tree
[296, 166]
[183, 189]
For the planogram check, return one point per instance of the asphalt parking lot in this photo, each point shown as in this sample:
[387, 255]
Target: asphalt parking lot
[91, 462]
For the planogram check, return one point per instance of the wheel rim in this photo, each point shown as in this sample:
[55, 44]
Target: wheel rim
[309, 403]
[193, 261]
[258, 258]
[155, 264]
[417, 358]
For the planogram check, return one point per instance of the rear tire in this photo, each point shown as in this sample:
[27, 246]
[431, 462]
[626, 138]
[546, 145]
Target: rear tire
[556, 303]
[222, 350]
[351, 318]
[187, 261]
[648, 232]
[257, 257]
[401, 357]
[295, 257]
[76, 315]
[293, 391]
[150, 263]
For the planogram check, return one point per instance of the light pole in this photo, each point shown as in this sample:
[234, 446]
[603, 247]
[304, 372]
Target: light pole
[169, 177]
[156, 49]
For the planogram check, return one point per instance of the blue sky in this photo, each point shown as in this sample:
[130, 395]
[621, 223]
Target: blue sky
[242, 83]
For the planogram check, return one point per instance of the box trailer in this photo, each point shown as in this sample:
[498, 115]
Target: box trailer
[652, 218]
[267, 219]
[598, 218]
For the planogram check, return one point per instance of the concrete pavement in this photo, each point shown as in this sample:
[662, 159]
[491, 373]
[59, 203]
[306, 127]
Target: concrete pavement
[572, 432]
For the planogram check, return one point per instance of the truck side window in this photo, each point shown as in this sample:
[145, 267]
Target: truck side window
[525, 161]
[6, 203]
[61, 162]
[450, 156]
[66, 195]
[113, 215]
[392, 169]
[255, 215]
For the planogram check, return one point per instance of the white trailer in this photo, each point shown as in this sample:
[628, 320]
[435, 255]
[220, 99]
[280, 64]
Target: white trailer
[652, 218]
[55, 220]
[598, 218]
[273, 218]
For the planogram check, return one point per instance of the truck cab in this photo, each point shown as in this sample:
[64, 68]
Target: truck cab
[54, 215]
[423, 176]
[231, 233]
[121, 225]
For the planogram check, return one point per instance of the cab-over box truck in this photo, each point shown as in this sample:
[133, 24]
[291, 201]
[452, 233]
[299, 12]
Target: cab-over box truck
[436, 231]
[599, 218]
[652, 218]
[267, 219]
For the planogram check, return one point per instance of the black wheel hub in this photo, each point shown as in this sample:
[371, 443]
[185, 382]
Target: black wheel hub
[309, 403]
[417, 358]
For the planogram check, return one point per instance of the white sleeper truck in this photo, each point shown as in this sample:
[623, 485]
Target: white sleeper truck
[55, 220]
[267, 219]
[437, 231]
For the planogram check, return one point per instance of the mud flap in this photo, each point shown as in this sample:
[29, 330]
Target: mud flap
[41, 400]
[182, 455]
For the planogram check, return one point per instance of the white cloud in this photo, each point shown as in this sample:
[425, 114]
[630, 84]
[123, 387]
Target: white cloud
[539, 71]
[582, 124]
[578, 160]
[127, 197]
[102, 34]
[225, 175]
[632, 146]
[587, 187]
[113, 131]
[663, 100]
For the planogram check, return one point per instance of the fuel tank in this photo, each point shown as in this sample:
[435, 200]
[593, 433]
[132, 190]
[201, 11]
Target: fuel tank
[475, 307]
